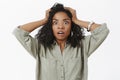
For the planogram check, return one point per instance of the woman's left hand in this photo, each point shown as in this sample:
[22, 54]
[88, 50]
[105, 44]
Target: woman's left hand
[73, 11]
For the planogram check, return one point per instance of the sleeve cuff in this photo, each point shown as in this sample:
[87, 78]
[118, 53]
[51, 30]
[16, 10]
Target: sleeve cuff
[21, 31]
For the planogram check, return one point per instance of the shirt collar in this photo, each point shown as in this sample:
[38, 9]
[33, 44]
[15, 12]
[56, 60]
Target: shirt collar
[66, 44]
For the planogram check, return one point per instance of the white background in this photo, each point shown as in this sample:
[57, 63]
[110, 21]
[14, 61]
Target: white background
[17, 64]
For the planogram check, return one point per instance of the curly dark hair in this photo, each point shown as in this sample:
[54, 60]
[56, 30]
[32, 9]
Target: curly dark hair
[45, 35]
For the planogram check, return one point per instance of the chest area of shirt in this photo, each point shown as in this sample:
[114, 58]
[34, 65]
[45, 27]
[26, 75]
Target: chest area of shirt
[67, 53]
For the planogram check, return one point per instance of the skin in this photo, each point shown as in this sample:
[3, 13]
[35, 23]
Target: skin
[61, 23]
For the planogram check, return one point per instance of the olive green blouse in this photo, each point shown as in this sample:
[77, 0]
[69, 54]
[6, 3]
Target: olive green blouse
[69, 65]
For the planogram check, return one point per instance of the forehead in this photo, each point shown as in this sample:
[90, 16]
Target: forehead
[61, 15]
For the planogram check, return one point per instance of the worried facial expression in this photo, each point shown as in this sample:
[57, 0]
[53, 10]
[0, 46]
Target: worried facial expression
[61, 26]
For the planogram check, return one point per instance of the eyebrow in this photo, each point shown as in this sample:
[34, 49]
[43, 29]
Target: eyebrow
[63, 19]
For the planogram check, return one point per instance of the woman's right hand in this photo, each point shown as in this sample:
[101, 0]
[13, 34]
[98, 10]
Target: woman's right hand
[46, 15]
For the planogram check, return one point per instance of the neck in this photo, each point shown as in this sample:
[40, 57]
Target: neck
[61, 44]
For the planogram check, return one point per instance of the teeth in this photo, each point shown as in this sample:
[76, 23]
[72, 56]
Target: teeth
[60, 32]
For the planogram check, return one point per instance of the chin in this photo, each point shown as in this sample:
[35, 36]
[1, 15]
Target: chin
[61, 39]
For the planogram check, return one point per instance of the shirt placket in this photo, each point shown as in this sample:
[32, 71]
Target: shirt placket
[61, 68]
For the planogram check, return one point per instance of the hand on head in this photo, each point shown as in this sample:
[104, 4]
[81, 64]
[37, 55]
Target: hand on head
[47, 15]
[73, 11]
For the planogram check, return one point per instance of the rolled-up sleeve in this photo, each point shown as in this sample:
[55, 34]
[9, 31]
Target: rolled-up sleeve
[93, 41]
[27, 41]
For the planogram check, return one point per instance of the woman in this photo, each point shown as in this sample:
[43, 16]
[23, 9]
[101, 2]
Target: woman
[60, 47]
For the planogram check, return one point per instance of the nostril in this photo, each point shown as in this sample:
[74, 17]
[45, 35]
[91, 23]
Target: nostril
[61, 27]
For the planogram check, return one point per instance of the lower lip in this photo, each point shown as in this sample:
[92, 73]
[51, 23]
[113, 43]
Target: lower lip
[61, 34]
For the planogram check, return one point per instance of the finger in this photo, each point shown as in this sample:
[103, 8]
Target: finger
[47, 11]
[68, 8]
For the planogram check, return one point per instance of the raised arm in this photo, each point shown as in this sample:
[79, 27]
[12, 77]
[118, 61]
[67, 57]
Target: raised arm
[33, 25]
[28, 42]
[81, 22]
[99, 33]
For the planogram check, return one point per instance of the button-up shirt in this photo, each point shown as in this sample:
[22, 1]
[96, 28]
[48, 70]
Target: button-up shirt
[71, 64]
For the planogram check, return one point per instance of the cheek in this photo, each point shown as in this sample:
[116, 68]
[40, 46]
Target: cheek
[68, 30]
[68, 33]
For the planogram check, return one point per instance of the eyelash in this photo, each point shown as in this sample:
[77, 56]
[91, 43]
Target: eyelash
[66, 22]
[55, 22]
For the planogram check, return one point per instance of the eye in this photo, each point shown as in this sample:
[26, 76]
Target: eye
[55, 23]
[66, 22]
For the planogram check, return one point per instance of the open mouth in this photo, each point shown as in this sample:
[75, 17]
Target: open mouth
[61, 32]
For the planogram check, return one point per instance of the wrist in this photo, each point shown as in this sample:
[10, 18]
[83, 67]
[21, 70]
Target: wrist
[76, 21]
[90, 25]
[44, 21]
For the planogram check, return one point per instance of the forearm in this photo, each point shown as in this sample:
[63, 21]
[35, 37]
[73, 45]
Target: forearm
[86, 23]
[33, 25]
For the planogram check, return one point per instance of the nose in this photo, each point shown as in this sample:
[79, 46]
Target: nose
[60, 26]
